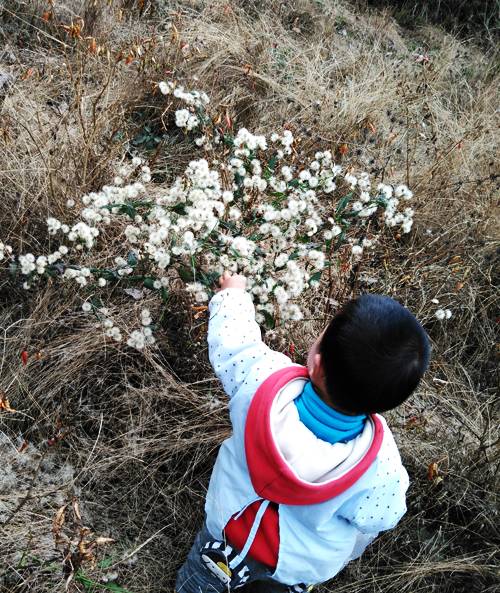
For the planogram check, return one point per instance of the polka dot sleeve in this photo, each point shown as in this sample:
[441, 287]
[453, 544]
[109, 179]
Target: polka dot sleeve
[235, 345]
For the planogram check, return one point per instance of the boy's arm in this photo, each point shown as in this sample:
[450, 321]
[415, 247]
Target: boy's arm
[235, 346]
[375, 510]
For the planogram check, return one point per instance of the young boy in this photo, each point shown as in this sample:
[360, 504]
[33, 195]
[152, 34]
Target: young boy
[311, 473]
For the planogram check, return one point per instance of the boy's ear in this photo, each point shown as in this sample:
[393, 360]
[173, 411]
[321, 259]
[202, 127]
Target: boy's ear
[317, 367]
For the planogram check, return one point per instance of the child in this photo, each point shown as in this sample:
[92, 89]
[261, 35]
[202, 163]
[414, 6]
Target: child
[311, 474]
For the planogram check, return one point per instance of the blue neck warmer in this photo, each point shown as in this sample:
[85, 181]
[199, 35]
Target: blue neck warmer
[325, 422]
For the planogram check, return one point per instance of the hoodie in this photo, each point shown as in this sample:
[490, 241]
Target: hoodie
[300, 505]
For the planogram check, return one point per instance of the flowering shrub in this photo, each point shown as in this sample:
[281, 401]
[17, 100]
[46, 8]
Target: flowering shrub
[251, 204]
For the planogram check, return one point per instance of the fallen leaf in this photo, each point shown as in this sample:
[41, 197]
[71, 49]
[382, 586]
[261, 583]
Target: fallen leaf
[101, 541]
[58, 522]
[28, 74]
[23, 447]
[4, 403]
[135, 293]
[76, 509]
[432, 471]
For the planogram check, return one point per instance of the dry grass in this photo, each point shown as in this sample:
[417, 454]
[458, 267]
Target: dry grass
[133, 437]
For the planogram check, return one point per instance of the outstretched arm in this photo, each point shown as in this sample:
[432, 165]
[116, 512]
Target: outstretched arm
[235, 344]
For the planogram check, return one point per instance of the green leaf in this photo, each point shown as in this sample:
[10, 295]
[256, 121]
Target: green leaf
[108, 274]
[132, 259]
[186, 274]
[316, 277]
[270, 322]
[128, 209]
[269, 170]
[148, 282]
[341, 206]
[13, 267]
[180, 209]
[105, 562]
[209, 279]
[96, 302]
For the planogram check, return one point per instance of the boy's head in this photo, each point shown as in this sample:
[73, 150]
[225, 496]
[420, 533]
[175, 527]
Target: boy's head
[371, 356]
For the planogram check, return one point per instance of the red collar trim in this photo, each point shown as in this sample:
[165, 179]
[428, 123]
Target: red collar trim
[271, 476]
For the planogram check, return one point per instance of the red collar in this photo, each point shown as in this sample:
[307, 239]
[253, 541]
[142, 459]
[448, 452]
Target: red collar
[272, 478]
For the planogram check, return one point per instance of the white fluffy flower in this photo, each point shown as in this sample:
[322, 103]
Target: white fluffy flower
[442, 314]
[5, 251]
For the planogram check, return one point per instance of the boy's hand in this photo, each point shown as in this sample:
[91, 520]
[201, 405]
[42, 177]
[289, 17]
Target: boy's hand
[227, 280]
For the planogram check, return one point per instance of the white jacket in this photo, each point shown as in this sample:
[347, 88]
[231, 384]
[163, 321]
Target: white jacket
[333, 499]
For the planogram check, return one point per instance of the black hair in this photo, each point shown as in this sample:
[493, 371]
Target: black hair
[374, 353]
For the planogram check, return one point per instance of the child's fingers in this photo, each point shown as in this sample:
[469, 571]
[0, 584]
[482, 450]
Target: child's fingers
[224, 276]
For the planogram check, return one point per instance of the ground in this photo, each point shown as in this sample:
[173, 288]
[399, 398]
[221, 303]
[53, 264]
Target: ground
[106, 451]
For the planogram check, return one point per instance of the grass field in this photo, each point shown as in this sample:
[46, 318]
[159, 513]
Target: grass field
[106, 451]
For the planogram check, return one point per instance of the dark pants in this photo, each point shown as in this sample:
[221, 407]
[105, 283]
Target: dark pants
[200, 573]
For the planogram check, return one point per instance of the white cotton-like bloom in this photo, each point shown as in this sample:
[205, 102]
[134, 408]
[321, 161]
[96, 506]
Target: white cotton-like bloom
[27, 263]
[165, 87]
[70, 203]
[329, 186]
[234, 213]
[287, 140]
[281, 260]
[402, 191]
[312, 227]
[5, 251]
[281, 295]
[227, 197]
[385, 190]
[53, 225]
[352, 180]
[198, 290]
[137, 340]
[406, 226]
[86, 307]
[181, 118]
[251, 141]
[146, 317]
[447, 313]
[356, 250]
[102, 282]
[292, 312]
[243, 246]
[435, 301]
[440, 314]
[367, 211]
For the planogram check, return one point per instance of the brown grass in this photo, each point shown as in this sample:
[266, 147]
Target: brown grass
[133, 437]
